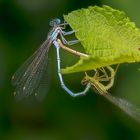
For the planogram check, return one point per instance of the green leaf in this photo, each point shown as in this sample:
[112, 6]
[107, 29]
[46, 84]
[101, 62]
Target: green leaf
[107, 35]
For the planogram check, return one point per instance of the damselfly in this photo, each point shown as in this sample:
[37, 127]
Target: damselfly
[102, 81]
[29, 78]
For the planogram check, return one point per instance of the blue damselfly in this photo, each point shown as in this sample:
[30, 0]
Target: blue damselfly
[28, 79]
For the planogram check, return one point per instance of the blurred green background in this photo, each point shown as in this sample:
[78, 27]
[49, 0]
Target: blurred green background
[23, 27]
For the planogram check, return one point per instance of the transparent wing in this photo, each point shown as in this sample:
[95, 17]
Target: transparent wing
[16, 78]
[28, 77]
[45, 81]
[126, 106]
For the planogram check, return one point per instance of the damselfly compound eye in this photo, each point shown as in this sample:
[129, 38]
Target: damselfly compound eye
[55, 21]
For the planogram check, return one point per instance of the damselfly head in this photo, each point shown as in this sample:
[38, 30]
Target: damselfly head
[55, 21]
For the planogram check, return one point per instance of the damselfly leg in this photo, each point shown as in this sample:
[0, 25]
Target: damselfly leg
[71, 42]
[65, 33]
[63, 24]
